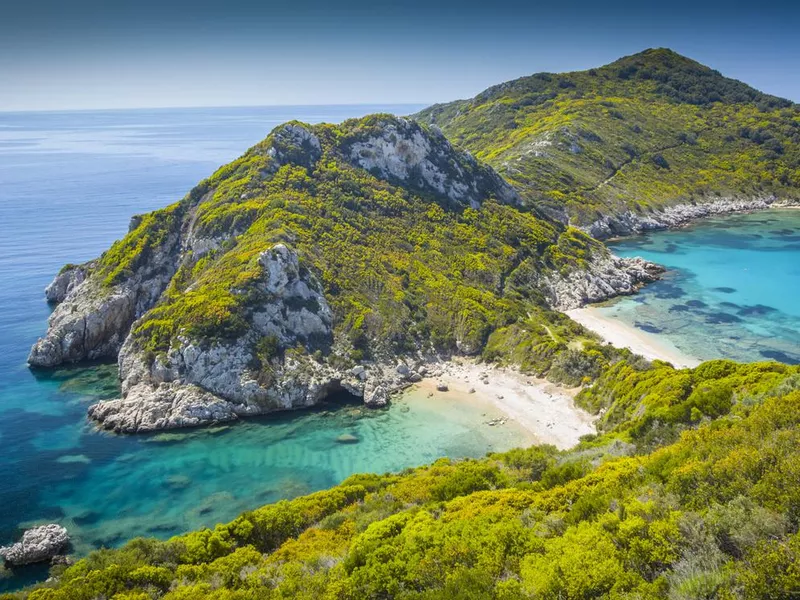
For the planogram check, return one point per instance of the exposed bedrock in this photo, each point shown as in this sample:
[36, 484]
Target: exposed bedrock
[631, 223]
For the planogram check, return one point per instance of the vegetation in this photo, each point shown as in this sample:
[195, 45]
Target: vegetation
[403, 269]
[646, 131]
[714, 513]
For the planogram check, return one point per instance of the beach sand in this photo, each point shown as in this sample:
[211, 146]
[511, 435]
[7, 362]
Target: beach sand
[649, 345]
[546, 411]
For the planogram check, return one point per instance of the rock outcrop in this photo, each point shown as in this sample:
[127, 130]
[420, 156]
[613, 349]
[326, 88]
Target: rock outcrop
[604, 277]
[631, 223]
[70, 277]
[402, 151]
[92, 320]
[39, 544]
[196, 383]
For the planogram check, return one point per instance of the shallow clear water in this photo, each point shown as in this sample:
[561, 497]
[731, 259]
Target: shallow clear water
[732, 289]
[69, 183]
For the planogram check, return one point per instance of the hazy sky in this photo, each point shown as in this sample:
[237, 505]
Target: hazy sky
[61, 54]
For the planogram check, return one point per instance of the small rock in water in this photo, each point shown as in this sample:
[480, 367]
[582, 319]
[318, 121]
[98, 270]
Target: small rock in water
[347, 438]
[73, 458]
[178, 482]
[39, 544]
[499, 396]
[472, 390]
[441, 387]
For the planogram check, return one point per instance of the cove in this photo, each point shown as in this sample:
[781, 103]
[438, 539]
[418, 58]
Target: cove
[731, 290]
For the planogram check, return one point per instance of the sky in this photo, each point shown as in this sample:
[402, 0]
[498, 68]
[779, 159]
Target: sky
[85, 54]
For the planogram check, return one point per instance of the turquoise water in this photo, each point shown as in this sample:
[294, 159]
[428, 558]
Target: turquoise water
[69, 183]
[731, 291]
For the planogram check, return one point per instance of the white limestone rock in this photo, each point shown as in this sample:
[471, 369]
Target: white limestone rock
[403, 151]
[67, 280]
[92, 321]
[198, 383]
[604, 277]
[376, 394]
[630, 223]
[39, 544]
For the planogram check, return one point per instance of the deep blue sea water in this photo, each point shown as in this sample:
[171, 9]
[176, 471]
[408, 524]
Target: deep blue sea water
[732, 289]
[69, 183]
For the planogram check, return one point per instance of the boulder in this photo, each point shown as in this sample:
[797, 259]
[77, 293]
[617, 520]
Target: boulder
[375, 394]
[441, 387]
[39, 544]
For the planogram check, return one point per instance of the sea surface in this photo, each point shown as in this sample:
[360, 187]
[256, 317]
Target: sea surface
[69, 183]
[732, 289]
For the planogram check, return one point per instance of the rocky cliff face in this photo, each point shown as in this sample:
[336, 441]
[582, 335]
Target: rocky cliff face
[313, 264]
[90, 321]
[403, 151]
[197, 382]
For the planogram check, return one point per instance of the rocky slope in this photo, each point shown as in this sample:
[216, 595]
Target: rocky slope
[645, 141]
[325, 258]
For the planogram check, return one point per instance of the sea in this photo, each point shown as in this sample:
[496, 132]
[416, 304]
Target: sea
[69, 183]
[732, 288]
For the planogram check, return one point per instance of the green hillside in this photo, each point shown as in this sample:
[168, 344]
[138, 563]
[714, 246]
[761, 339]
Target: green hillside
[692, 492]
[410, 248]
[646, 131]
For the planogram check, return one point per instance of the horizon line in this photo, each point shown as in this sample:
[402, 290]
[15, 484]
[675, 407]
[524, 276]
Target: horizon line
[210, 106]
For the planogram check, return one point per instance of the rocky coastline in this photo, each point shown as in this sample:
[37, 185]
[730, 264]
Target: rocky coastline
[201, 380]
[631, 223]
[196, 384]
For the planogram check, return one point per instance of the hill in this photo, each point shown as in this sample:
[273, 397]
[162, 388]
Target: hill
[317, 261]
[617, 148]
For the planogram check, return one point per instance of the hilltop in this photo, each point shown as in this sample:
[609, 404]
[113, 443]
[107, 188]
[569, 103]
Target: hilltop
[317, 262]
[635, 144]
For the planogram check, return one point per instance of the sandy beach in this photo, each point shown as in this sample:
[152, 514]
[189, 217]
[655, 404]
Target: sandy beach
[546, 411]
[624, 336]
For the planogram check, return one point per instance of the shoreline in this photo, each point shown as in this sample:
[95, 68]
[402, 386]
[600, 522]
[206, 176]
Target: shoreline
[546, 411]
[677, 216]
[622, 335]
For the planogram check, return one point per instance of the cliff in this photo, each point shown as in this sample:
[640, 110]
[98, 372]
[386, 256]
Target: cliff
[316, 262]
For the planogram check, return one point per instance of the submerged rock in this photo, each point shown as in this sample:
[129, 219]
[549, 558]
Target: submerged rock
[39, 544]
[347, 438]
